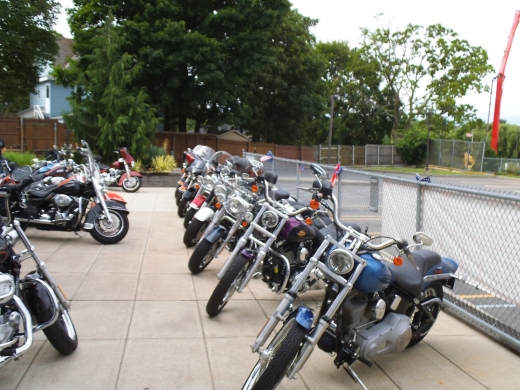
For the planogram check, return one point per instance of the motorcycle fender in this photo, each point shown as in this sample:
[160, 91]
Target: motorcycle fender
[37, 298]
[204, 214]
[112, 196]
[248, 253]
[123, 177]
[304, 317]
[188, 194]
[198, 201]
[216, 234]
[97, 209]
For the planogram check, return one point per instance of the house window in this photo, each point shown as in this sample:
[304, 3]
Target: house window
[47, 91]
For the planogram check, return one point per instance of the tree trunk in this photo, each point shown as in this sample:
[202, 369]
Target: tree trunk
[166, 119]
[182, 123]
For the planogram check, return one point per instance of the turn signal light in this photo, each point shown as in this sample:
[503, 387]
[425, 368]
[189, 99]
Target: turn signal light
[197, 186]
[398, 261]
[244, 224]
[183, 170]
[315, 204]
[217, 205]
[308, 221]
[180, 182]
[254, 188]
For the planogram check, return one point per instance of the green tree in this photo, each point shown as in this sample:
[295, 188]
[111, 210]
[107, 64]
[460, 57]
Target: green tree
[27, 45]
[105, 111]
[426, 69]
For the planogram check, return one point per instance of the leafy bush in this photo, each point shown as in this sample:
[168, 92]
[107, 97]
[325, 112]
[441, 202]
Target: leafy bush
[412, 146]
[21, 158]
[164, 163]
[156, 159]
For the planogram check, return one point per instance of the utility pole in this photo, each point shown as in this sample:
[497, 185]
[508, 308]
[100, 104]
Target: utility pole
[428, 116]
[330, 124]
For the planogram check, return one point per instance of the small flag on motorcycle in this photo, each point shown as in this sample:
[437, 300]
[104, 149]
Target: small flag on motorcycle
[301, 168]
[425, 179]
[335, 175]
[268, 157]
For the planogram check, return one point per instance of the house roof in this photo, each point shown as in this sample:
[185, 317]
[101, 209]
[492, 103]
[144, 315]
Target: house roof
[234, 133]
[65, 50]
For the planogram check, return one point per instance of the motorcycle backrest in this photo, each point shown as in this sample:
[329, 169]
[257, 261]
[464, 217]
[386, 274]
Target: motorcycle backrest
[325, 187]
[21, 173]
[271, 177]
[318, 171]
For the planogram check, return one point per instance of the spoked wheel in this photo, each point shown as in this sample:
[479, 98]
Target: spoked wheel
[189, 216]
[62, 334]
[227, 286]
[184, 204]
[132, 183]
[194, 232]
[110, 232]
[202, 256]
[277, 358]
[421, 324]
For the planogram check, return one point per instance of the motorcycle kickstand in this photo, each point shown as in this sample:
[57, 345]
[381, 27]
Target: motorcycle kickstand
[354, 376]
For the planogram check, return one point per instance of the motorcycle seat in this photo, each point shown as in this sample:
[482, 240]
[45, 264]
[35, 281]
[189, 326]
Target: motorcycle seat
[279, 194]
[42, 192]
[103, 166]
[410, 278]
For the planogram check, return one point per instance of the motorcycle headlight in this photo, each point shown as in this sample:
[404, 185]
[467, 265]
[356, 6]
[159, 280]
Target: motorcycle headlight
[6, 288]
[200, 179]
[221, 198]
[249, 216]
[269, 219]
[220, 193]
[209, 183]
[132, 164]
[236, 206]
[340, 261]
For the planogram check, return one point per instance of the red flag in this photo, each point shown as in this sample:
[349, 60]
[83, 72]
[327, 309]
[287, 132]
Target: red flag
[335, 175]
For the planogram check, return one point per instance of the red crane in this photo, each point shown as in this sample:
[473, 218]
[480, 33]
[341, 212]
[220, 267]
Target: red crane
[501, 76]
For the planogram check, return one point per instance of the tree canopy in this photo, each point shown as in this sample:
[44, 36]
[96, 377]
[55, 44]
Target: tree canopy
[27, 45]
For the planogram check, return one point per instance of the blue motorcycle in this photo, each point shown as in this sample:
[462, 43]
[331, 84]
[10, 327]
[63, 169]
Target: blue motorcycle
[375, 303]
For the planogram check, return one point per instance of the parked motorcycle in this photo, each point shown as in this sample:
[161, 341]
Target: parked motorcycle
[189, 156]
[79, 202]
[371, 307]
[276, 246]
[29, 304]
[120, 173]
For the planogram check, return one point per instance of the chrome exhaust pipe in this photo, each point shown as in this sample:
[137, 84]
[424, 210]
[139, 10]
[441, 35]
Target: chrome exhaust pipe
[28, 334]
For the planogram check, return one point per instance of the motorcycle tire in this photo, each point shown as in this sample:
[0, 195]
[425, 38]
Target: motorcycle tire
[103, 231]
[203, 254]
[183, 207]
[189, 216]
[178, 196]
[194, 232]
[227, 286]
[282, 350]
[129, 188]
[420, 327]
[62, 334]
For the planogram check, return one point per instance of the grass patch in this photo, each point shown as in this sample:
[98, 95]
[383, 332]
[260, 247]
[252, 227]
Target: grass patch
[25, 158]
[419, 170]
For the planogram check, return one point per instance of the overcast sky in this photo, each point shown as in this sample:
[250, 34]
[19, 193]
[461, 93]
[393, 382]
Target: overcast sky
[487, 26]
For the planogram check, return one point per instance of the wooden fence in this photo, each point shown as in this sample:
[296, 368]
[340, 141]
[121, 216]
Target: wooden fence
[33, 135]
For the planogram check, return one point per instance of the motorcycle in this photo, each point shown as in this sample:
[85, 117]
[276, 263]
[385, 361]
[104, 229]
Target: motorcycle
[120, 173]
[29, 304]
[373, 305]
[276, 246]
[79, 202]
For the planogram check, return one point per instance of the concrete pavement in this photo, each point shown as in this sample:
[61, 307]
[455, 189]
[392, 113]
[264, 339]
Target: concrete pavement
[141, 321]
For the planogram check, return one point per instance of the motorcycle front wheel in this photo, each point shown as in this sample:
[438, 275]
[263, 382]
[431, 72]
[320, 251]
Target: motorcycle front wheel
[277, 358]
[202, 256]
[194, 232]
[107, 232]
[62, 334]
[178, 195]
[132, 183]
[189, 216]
[183, 207]
[420, 325]
[227, 286]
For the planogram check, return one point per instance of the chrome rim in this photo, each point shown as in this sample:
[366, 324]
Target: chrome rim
[234, 287]
[109, 229]
[68, 324]
[207, 259]
[131, 182]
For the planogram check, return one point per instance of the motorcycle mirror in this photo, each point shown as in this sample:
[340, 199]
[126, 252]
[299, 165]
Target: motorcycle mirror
[422, 238]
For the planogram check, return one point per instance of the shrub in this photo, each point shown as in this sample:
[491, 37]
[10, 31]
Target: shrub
[21, 158]
[163, 163]
[412, 146]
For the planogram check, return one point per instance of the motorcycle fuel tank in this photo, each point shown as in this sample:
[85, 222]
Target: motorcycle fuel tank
[375, 276]
[296, 231]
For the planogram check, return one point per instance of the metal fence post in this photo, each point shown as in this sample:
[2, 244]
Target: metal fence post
[418, 216]
[21, 134]
[440, 153]
[483, 153]
[353, 147]
[392, 149]
[452, 152]
[55, 134]
[378, 151]
[339, 195]
[297, 180]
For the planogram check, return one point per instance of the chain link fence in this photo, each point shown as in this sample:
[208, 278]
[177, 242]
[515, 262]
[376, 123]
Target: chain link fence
[476, 228]
[457, 154]
[499, 165]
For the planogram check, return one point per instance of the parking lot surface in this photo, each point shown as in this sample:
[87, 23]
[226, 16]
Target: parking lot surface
[141, 321]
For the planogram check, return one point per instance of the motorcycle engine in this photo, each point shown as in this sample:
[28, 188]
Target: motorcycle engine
[9, 324]
[62, 200]
[273, 271]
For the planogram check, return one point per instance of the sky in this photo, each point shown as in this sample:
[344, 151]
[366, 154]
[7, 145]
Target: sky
[482, 24]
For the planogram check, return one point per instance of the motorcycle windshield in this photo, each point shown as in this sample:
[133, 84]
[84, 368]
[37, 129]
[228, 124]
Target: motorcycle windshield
[205, 152]
[126, 156]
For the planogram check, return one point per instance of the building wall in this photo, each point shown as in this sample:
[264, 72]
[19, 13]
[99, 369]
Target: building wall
[59, 102]
[38, 98]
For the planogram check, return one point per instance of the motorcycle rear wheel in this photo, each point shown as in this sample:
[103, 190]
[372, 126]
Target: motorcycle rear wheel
[110, 233]
[132, 183]
[183, 207]
[194, 232]
[277, 358]
[227, 286]
[189, 216]
[203, 254]
[419, 326]
[62, 334]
